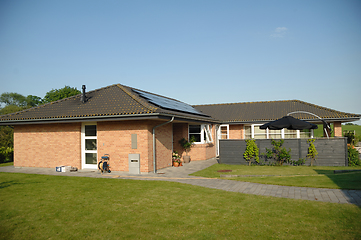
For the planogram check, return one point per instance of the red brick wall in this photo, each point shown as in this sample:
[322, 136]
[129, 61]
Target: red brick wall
[180, 130]
[198, 151]
[236, 131]
[114, 138]
[47, 145]
[337, 128]
[163, 136]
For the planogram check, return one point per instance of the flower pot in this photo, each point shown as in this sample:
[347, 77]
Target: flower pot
[186, 159]
[175, 164]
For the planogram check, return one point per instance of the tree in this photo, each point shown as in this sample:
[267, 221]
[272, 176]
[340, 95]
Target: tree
[33, 101]
[13, 99]
[18, 100]
[57, 94]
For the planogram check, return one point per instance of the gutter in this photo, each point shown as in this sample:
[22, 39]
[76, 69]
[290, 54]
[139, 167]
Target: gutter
[154, 160]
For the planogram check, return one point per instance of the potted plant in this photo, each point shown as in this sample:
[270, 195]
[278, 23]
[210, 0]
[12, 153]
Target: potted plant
[186, 145]
[176, 159]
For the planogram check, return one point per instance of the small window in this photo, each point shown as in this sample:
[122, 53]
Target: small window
[196, 132]
[224, 131]
[90, 130]
[201, 133]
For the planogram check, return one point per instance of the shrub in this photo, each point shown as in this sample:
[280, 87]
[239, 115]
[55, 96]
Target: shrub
[312, 152]
[279, 153]
[6, 154]
[353, 156]
[251, 151]
[299, 162]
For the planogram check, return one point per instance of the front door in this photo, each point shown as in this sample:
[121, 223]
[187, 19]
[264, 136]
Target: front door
[89, 145]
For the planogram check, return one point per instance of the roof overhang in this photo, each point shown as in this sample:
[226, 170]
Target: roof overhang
[149, 116]
[317, 121]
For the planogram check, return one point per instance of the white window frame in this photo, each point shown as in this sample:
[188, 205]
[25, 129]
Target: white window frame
[83, 150]
[268, 135]
[206, 132]
[220, 131]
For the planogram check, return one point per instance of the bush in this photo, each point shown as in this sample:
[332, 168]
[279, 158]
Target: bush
[6, 154]
[353, 156]
[278, 153]
[251, 152]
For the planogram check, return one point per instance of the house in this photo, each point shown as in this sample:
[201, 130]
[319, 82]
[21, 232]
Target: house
[141, 130]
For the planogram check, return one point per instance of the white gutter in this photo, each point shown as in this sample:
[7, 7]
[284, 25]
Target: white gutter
[154, 166]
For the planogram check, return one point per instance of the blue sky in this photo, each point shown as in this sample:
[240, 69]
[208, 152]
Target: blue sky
[199, 52]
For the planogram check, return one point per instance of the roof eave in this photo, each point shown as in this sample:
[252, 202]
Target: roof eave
[106, 118]
[350, 119]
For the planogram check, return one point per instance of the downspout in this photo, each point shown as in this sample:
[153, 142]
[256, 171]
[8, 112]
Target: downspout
[154, 167]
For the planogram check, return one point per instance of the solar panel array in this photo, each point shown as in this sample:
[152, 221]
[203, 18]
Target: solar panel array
[169, 103]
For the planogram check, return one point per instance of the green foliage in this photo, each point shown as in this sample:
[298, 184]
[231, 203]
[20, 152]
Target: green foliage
[353, 156]
[355, 128]
[312, 152]
[6, 144]
[57, 94]
[351, 137]
[16, 102]
[33, 101]
[251, 151]
[299, 162]
[13, 99]
[10, 109]
[278, 153]
[186, 145]
[6, 154]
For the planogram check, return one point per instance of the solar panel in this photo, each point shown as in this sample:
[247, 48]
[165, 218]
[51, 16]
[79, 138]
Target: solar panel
[167, 103]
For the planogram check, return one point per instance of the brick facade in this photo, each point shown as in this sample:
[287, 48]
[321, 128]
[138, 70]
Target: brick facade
[236, 131]
[51, 145]
[337, 128]
[47, 145]
[197, 151]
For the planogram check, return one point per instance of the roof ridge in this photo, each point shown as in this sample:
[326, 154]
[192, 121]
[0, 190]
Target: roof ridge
[217, 104]
[136, 98]
[326, 108]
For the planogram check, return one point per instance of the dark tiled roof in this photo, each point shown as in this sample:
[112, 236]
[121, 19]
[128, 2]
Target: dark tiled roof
[114, 100]
[272, 110]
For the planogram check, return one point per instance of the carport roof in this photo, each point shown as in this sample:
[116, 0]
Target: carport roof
[251, 112]
[112, 102]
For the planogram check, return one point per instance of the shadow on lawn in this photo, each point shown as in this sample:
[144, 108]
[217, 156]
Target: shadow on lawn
[349, 182]
[346, 180]
[8, 184]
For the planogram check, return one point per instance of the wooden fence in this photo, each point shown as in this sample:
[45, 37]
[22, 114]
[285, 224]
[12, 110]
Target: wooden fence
[331, 152]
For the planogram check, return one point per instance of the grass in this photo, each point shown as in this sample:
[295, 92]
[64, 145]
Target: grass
[301, 176]
[319, 132]
[6, 164]
[57, 207]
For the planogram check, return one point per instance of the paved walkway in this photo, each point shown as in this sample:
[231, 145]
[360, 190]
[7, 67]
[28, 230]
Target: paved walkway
[181, 175]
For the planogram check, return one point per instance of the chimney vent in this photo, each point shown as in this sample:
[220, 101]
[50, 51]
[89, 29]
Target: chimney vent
[83, 97]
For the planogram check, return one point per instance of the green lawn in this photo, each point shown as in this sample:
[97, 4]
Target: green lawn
[57, 207]
[6, 164]
[319, 132]
[301, 176]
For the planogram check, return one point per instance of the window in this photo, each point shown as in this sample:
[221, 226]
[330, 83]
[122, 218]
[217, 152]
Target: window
[224, 132]
[89, 145]
[202, 133]
[253, 131]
